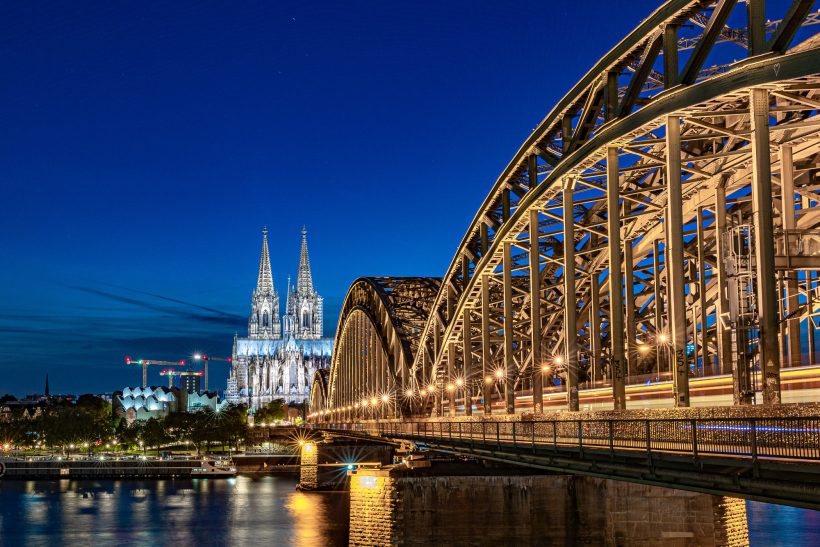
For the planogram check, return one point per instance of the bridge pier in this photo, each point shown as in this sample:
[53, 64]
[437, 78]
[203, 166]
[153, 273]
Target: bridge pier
[471, 504]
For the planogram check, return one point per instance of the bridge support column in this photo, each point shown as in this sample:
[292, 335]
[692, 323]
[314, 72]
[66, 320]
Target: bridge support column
[708, 368]
[764, 246]
[535, 315]
[467, 359]
[595, 325]
[616, 305]
[674, 255]
[509, 362]
[658, 305]
[451, 389]
[487, 373]
[629, 291]
[792, 290]
[570, 299]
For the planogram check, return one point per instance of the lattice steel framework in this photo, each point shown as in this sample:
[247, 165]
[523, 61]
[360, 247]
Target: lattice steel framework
[684, 178]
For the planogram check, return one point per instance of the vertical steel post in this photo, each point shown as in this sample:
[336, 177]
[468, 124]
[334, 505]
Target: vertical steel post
[570, 299]
[764, 246]
[467, 359]
[792, 288]
[595, 324]
[756, 25]
[708, 368]
[656, 279]
[537, 358]
[677, 302]
[631, 330]
[451, 393]
[509, 362]
[670, 56]
[486, 348]
[810, 322]
[616, 306]
[724, 332]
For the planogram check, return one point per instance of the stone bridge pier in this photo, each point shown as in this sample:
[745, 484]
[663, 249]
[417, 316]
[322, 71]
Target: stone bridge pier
[325, 462]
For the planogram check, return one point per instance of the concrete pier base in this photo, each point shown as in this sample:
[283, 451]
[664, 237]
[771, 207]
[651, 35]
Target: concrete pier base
[393, 507]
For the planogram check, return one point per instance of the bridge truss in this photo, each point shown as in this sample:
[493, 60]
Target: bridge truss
[682, 171]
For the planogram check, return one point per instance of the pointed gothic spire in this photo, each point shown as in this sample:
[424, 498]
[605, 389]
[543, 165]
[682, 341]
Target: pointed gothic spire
[304, 280]
[289, 304]
[47, 393]
[264, 283]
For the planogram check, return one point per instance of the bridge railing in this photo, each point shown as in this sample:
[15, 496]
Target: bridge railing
[755, 438]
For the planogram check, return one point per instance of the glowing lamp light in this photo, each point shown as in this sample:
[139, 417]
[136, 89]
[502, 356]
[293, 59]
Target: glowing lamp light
[450, 387]
[308, 447]
[499, 373]
[545, 368]
[350, 467]
[374, 401]
[197, 356]
[365, 402]
[488, 379]
[663, 338]
[355, 405]
[559, 360]
[385, 398]
[643, 348]
[431, 388]
[459, 382]
[423, 392]
[409, 393]
[127, 360]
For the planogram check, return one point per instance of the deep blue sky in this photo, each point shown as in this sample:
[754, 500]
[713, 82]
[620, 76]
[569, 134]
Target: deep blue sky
[144, 145]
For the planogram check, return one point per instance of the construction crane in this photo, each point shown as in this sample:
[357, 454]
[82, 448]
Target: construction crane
[206, 358]
[144, 364]
[170, 373]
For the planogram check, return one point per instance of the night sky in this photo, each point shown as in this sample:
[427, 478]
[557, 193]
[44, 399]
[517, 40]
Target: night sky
[145, 144]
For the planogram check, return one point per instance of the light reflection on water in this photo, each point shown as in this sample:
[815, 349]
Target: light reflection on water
[241, 511]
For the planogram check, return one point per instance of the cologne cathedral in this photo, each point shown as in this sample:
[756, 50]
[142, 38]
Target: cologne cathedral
[281, 353]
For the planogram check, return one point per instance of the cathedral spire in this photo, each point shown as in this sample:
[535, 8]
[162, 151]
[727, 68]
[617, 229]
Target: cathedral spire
[264, 284]
[304, 279]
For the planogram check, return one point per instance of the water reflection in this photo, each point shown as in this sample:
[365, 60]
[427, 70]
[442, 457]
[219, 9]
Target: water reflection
[239, 511]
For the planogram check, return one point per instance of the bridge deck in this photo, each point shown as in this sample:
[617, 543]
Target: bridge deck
[769, 459]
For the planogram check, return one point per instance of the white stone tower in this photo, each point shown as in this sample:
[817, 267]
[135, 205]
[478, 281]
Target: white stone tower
[264, 319]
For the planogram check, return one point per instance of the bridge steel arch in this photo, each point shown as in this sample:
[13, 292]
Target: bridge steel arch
[376, 339]
[682, 169]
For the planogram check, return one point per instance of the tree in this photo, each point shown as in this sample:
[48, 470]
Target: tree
[274, 410]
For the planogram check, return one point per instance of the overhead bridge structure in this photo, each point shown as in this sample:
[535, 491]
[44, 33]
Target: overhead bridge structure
[655, 242]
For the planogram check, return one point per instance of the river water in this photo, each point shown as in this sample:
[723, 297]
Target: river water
[243, 511]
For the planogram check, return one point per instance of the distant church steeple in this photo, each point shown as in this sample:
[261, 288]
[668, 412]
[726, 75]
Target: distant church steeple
[47, 394]
[304, 279]
[264, 319]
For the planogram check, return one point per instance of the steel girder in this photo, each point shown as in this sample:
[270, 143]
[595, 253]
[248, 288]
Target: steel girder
[376, 339]
[610, 144]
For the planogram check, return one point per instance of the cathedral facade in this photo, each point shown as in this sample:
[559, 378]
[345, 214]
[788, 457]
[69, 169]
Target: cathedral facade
[280, 355]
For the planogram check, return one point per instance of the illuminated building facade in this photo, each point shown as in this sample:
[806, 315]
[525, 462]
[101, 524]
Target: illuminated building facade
[279, 356]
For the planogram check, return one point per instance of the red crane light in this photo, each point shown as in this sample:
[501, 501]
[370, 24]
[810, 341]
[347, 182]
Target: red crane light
[204, 357]
[127, 360]
[230, 359]
[182, 361]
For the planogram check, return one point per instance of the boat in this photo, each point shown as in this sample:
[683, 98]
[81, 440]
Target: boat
[214, 469]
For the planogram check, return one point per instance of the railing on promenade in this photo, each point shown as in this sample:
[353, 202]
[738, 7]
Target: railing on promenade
[754, 438]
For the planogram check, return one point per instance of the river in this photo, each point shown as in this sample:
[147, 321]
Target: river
[241, 511]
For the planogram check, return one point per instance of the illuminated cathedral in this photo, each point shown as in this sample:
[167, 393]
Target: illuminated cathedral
[280, 355]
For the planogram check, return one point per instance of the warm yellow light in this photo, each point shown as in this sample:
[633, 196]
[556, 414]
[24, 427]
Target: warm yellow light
[450, 387]
[499, 373]
[374, 401]
[365, 402]
[423, 392]
[301, 443]
[559, 360]
[355, 405]
[488, 379]
[663, 338]
[409, 393]
[545, 368]
[385, 398]
[459, 382]
[643, 348]
[431, 388]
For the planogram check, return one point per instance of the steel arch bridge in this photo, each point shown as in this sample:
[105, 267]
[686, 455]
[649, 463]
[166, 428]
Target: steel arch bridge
[682, 171]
